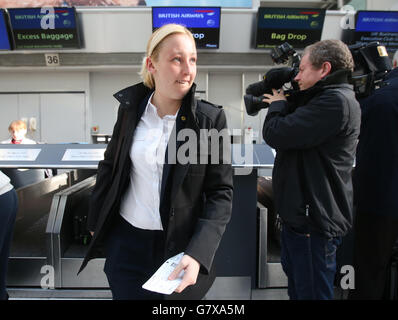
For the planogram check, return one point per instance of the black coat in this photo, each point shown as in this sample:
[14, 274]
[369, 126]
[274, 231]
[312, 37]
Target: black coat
[376, 170]
[315, 137]
[195, 200]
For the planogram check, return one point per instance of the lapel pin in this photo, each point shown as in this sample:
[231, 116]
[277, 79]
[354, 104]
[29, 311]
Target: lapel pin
[183, 118]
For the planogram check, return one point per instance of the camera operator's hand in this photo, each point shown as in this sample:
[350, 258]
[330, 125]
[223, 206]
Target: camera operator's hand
[276, 95]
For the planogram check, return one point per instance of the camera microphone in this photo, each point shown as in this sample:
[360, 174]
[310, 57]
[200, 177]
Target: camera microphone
[273, 79]
[277, 77]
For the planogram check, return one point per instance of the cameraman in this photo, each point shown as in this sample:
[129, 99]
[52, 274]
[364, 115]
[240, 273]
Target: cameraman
[375, 191]
[315, 136]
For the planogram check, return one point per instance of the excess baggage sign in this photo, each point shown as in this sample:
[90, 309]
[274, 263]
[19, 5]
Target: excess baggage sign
[381, 26]
[203, 22]
[299, 27]
[44, 28]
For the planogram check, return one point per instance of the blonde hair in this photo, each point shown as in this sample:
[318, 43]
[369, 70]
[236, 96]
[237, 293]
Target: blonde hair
[154, 45]
[16, 125]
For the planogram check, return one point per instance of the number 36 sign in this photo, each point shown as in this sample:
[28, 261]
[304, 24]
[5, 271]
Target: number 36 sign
[52, 59]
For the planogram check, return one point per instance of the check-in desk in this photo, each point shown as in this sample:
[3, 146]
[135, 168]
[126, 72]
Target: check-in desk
[52, 211]
[32, 248]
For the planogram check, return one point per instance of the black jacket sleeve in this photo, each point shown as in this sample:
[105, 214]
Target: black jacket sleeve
[104, 175]
[218, 190]
[308, 125]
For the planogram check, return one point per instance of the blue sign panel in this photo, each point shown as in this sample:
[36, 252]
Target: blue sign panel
[381, 26]
[381, 21]
[4, 41]
[203, 22]
[33, 18]
[48, 28]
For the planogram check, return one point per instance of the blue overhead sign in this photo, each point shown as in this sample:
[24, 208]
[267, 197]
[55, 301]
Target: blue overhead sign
[4, 40]
[187, 16]
[31, 18]
[380, 21]
[203, 22]
[381, 26]
[44, 28]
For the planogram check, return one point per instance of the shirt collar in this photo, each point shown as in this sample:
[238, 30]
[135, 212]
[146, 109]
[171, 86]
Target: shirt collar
[153, 110]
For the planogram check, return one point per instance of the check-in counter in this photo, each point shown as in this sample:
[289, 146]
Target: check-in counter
[55, 210]
[243, 261]
[67, 232]
[30, 249]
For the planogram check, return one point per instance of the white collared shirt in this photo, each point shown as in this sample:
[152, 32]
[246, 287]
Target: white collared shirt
[140, 203]
[5, 184]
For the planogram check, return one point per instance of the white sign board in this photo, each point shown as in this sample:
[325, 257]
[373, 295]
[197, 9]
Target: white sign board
[83, 155]
[19, 154]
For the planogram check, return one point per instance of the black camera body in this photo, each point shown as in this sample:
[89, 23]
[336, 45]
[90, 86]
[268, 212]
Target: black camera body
[371, 66]
[273, 79]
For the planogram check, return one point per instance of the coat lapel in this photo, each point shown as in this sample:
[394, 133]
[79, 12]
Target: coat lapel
[186, 119]
[135, 109]
[134, 118]
[170, 164]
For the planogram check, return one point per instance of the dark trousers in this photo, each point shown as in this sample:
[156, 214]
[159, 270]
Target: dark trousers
[8, 212]
[132, 257]
[375, 236]
[309, 261]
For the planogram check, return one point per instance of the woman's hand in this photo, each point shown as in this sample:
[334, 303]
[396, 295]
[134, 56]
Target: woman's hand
[191, 268]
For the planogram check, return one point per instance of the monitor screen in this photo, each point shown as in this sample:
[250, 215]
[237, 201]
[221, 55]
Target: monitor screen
[4, 40]
[298, 27]
[203, 22]
[41, 28]
[381, 26]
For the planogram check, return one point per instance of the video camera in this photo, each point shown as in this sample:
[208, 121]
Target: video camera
[273, 79]
[371, 66]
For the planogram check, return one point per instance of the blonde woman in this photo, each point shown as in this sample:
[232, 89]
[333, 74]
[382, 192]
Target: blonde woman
[146, 211]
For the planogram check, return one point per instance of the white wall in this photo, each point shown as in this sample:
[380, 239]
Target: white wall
[382, 5]
[34, 81]
[103, 105]
[30, 87]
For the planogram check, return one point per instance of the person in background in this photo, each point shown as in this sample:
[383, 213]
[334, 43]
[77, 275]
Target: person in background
[145, 209]
[18, 130]
[376, 191]
[315, 135]
[8, 212]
